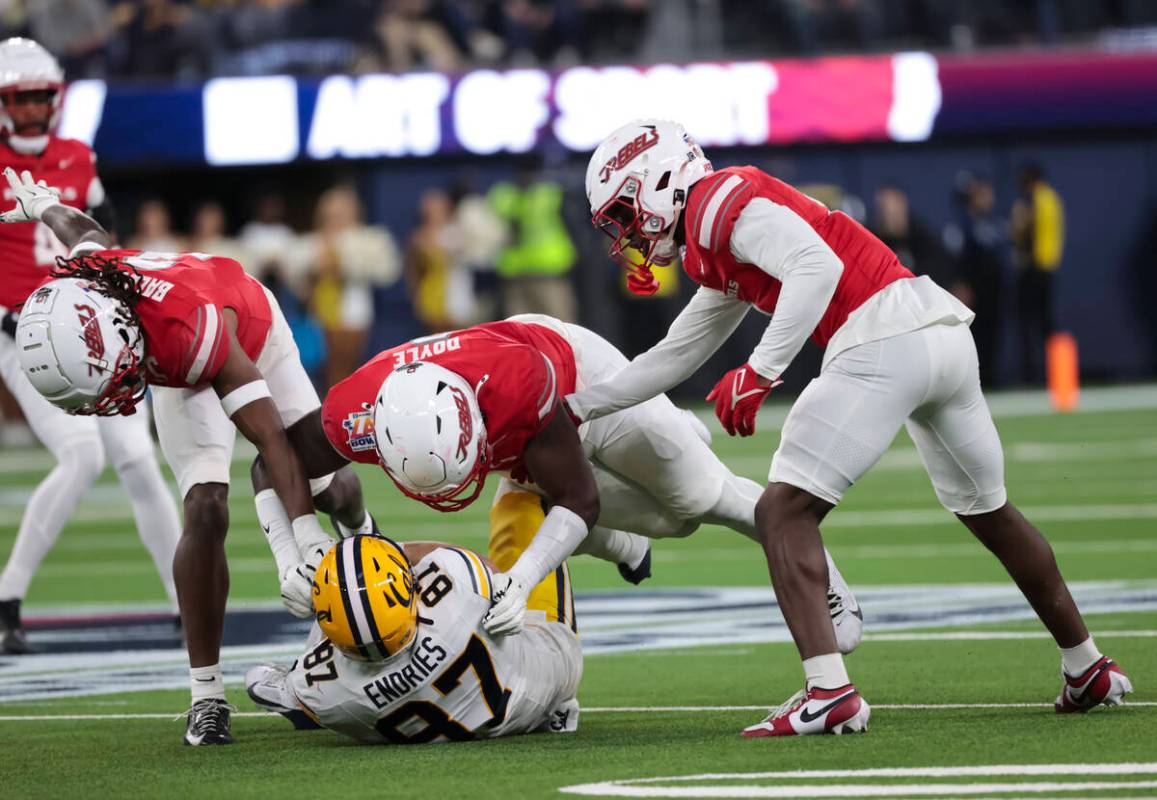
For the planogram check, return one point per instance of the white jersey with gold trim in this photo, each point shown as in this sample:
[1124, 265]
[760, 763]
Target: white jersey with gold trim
[455, 682]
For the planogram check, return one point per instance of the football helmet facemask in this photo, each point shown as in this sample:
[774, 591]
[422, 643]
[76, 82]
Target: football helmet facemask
[637, 182]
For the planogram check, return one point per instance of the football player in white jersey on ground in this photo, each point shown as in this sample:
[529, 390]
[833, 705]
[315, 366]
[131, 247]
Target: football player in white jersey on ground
[31, 93]
[898, 354]
[405, 658]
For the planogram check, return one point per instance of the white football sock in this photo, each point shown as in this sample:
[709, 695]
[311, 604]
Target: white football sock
[155, 512]
[826, 672]
[617, 547]
[1076, 660]
[206, 682]
[275, 522]
[48, 509]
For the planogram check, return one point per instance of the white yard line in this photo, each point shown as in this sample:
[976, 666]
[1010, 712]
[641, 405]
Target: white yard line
[584, 710]
[786, 783]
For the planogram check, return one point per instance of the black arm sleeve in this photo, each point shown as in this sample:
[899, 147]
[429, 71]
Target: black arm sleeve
[105, 215]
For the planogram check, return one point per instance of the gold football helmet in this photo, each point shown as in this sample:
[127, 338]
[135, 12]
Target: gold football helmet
[364, 597]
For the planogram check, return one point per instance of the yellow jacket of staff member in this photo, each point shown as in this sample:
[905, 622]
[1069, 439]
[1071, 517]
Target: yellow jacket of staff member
[1048, 227]
[540, 244]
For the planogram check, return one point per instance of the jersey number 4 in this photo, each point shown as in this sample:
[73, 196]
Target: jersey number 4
[437, 721]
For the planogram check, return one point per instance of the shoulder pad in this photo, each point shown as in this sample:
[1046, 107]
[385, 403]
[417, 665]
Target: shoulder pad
[715, 207]
[479, 574]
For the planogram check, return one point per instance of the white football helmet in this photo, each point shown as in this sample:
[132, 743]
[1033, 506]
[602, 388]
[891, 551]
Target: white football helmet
[81, 349]
[26, 66]
[637, 183]
[431, 437]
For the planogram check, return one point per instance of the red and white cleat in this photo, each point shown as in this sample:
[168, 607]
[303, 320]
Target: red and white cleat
[816, 711]
[1104, 682]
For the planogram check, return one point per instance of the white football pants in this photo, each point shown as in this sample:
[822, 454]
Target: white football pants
[926, 380]
[656, 476]
[81, 445]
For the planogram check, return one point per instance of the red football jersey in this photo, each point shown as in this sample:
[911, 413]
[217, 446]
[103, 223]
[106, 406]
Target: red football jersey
[521, 371]
[714, 205]
[28, 249]
[183, 299]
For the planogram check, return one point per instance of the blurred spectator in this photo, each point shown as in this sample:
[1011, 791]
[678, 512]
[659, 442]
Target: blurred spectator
[153, 231]
[429, 262]
[269, 241]
[269, 244]
[345, 260]
[979, 243]
[838, 24]
[542, 31]
[208, 234]
[1038, 237]
[914, 242]
[13, 18]
[534, 267]
[160, 39]
[414, 34]
[76, 31]
[481, 237]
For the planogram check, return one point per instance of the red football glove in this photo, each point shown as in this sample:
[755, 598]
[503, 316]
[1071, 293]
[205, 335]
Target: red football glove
[737, 397]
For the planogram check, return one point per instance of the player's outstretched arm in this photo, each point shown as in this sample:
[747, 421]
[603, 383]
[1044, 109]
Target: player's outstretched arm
[556, 462]
[246, 399]
[699, 330]
[38, 202]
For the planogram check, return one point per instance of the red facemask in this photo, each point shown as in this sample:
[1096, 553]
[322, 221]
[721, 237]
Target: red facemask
[633, 247]
[453, 500]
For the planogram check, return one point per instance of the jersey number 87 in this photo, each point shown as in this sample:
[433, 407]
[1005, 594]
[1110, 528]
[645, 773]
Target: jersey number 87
[437, 721]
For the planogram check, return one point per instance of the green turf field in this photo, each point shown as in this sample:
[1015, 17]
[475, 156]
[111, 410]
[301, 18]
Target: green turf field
[965, 693]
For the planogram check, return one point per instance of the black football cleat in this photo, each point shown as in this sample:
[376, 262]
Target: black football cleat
[640, 572]
[13, 640]
[208, 723]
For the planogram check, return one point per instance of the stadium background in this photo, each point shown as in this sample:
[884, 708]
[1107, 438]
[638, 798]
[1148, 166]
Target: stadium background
[412, 105]
[187, 104]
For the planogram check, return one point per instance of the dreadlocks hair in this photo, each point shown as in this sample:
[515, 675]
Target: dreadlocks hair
[112, 277]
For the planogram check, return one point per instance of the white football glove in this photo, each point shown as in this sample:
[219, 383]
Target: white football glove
[508, 611]
[32, 198]
[297, 584]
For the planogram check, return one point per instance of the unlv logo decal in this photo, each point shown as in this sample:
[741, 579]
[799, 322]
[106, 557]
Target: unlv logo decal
[465, 422]
[628, 152]
[92, 338]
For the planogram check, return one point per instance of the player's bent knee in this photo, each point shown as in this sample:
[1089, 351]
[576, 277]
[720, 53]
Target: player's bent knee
[974, 503]
[207, 470]
[84, 458]
[207, 511]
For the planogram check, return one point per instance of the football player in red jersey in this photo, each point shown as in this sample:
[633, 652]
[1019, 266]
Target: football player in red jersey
[441, 413]
[31, 89]
[214, 346]
[898, 353]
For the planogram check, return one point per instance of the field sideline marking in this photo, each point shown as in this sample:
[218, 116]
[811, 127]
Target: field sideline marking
[651, 787]
[591, 710]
